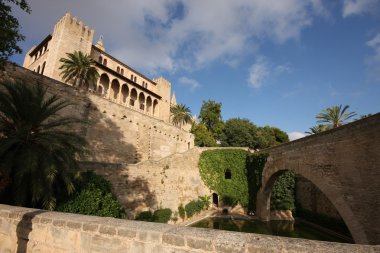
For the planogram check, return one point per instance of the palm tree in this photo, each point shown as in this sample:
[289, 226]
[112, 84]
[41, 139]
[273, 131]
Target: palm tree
[180, 115]
[335, 115]
[37, 153]
[318, 129]
[80, 69]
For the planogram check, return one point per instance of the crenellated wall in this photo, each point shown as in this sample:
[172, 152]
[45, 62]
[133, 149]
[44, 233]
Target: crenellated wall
[33, 230]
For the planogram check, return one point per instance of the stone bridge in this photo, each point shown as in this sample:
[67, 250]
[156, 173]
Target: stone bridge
[344, 163]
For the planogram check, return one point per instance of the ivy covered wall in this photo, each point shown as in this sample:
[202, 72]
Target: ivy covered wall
[235, 175]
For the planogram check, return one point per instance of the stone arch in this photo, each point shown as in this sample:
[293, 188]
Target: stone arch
[104, 82]
[149, 104]
[115, 87]
[273, 169]
[124, 93]
[142, 101]
[155, 108]
[133, 97]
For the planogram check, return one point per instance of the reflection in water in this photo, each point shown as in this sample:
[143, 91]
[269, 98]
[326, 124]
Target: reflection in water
[279, 228]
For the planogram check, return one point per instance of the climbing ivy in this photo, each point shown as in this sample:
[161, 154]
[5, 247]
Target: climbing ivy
[246, 173]
[213, 165]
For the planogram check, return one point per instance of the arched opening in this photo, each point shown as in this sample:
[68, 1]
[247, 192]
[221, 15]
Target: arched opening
[133, 97]
[122, 71]
[142, 101]
[38, 69]
[115, 86]
[149, 104]
[104, 83]
[327, 213]
[100, 59]
[215, 199]
[124, 93]
[135, 79]
[105, 62]
[155, 108]
[43, 68]
[118, 69]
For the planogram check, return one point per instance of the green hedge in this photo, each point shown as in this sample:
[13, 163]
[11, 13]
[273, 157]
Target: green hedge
[193, 207]
[93, 196]
[162, 215]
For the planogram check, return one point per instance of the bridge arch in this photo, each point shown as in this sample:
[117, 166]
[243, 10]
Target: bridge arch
[274, 168]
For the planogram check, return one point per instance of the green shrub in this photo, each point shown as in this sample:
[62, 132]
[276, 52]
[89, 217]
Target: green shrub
[162, 215]
[93, 196]
[205, 201]
[182, 212]
[282, 197]
[193, 207]
[144, 216]
[230, 201]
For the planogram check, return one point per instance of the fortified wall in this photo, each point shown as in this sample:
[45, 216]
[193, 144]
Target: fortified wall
[116, 134]
[32, 230]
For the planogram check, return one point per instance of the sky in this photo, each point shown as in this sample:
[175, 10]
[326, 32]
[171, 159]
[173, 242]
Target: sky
[276, 63]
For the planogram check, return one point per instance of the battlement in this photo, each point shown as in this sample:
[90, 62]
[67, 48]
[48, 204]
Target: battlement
[66, 22]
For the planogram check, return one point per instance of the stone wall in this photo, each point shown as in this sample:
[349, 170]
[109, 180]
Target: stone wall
[32, 230]
[115, 133]
[344, 164]
[309, 197]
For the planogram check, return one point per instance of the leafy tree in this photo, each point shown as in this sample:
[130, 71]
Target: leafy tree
[36, 153]
[9, 30]
[211, 116]
[270, 136]
[80, 69]
[180, 115]
[239, 133]
[335, 116]
[318, 129]
[203, 137]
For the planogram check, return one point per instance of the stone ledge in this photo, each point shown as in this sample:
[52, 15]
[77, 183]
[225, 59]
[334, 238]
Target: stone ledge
[110, 235]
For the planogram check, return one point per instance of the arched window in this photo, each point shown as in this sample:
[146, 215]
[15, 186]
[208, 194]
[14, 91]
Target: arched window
[104, 82]
[122, 71]
[142, 101]
[124, 93]
[118, 69]
[132, 77]
[133, 97]
[115, 86]
[100, 59]
[227, 174]
[38, 69]
[135, 79]
[149, 104]
[43, 68]
[105, 62]
[155, 108]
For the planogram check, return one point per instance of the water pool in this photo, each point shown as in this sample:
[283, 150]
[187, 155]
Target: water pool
[297, 229]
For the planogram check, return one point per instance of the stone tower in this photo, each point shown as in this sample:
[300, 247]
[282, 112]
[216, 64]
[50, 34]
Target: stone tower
[68, 36]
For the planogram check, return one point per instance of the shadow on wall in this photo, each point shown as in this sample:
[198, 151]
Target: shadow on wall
[24, 227]
[106, 138]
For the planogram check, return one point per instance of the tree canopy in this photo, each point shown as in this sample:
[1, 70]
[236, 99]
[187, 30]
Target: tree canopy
[203, 137]
[180, 115]
[211, 116]
[335, 116]
[9, 29]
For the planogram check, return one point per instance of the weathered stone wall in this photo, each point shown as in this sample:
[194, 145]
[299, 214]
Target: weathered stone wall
[309, 197]
[115, 133]
[149, 185]
[32, 230]
[344, 163]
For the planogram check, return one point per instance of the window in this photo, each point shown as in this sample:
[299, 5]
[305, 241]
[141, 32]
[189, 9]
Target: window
[118, 69]
[135, 79]
[227, 174]
[105, 62]
[43, 68]
[100, 59]
[132, 102]
[122, 71]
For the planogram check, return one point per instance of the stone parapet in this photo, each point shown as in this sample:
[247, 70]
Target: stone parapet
[33, 230]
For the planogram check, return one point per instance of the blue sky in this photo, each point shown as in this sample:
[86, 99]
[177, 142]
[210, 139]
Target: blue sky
[276, 63]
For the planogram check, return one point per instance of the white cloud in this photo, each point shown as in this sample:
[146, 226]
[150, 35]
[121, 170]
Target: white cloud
[263, 71]
[189, 83]
[375, 59]
[296, 135]
[358, 7]
[258, 73]
[177, 34]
